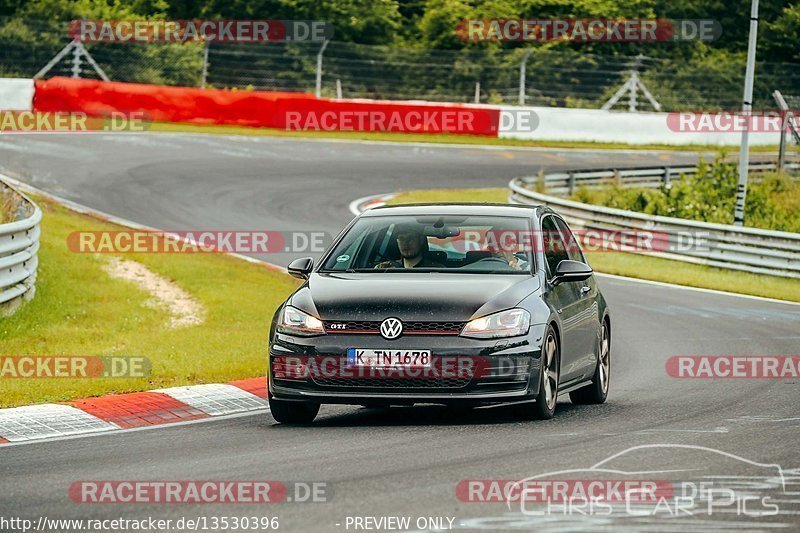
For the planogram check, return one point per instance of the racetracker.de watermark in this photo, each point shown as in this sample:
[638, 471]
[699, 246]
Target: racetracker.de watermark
[181, 31]
[562, 490]
[588, 30]
[360, 366]
[588, 240]
[734, 366]
[197, 241]
[199, 492]
[467, 120]
[74, 366]
[58, 122]
[733, 121]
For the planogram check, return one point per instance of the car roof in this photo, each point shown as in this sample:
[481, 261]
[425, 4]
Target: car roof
[457, 209]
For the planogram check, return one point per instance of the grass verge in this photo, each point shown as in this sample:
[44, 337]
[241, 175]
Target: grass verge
[80, 310]
[431, 138]
[636, 265]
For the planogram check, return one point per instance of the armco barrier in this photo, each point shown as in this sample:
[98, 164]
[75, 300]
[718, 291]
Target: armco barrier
[19, 245]
[251, 108]
[644, 177]
[775, 253]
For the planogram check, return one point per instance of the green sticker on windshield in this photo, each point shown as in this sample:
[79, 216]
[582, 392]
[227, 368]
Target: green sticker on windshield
[342, 258]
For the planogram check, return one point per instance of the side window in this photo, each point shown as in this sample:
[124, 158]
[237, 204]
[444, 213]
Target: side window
[555, 249]
[573, 249]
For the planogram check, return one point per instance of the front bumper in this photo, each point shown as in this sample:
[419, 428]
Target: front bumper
[469, 370]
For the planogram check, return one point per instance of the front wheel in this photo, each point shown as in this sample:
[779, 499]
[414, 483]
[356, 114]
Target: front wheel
[597, 391]
[545, 405]
[293, 412]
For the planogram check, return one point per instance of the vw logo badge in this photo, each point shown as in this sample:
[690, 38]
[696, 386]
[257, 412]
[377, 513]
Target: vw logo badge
[391, 328]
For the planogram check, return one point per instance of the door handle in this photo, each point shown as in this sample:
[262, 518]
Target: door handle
[585, 289]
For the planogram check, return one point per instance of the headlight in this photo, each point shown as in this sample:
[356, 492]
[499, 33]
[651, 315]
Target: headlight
[296, 322]
[509, 323]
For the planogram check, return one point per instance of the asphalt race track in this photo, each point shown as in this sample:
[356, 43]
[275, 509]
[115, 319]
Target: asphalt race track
[408, 461]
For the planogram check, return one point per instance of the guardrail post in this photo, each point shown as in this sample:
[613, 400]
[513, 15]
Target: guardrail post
[318, 88]
[571, 183]
[667, 177]
[618, 177]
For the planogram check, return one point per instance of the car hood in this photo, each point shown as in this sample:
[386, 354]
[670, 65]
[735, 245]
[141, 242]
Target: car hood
[410, 296]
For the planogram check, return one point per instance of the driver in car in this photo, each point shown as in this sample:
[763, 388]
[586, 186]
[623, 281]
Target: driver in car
[412, 244]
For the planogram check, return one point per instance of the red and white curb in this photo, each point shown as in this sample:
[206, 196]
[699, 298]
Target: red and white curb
[132, 410]
[359, 205]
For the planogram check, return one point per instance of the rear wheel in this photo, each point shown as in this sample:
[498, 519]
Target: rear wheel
[597, 392]
[293, 412]
[545, 405]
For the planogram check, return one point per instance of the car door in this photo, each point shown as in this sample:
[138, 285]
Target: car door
[586, 308]
[564, 298]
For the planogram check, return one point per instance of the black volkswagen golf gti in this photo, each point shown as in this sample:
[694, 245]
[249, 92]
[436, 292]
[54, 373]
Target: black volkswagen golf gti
[467, 304]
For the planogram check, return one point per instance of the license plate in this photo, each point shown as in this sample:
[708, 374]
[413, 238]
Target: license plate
[389, 358]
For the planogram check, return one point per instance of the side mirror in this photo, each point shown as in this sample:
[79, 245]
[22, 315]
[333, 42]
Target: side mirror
[571, 271]
[301, 268]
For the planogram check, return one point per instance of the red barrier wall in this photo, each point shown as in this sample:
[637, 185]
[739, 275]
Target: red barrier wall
[261, 109]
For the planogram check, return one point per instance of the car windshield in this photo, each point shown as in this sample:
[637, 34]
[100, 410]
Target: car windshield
[433, 243]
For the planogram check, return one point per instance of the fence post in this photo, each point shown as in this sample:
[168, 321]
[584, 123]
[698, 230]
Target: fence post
[206, 46]
[338, 89]
[632, 95]
[76, 61]
[571, 183]
[522, 73]
[319, 67]
[667, 177]
[782, 144]
[477, 92]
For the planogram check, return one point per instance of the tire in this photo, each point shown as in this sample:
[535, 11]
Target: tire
[293, 412]
[546, 399]
[597, 391]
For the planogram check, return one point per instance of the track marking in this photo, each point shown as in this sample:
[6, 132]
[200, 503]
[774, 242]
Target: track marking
[80, 208]
[697, 289]
[142, 428]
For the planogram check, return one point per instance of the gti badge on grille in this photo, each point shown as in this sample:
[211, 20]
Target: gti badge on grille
[391, 328]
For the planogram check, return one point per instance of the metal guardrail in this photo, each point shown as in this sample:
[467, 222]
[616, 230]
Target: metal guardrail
[19, 245]
[775, 253]
[645, 177]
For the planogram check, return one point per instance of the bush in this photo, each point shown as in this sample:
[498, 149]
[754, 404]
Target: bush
[773, 202]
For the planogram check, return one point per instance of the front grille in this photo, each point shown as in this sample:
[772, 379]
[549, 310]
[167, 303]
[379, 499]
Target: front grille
[452, 328]
[372, 327]
[394, 383]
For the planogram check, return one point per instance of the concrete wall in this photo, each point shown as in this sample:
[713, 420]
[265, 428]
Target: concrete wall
[562, 124]
[16, 94]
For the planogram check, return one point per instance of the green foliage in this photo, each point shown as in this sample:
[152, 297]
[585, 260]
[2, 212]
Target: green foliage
[420, 54]
[773, 200]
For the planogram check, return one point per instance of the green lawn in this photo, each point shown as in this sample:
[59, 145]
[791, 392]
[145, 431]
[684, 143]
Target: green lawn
[80, 310]
[431, 138]
[636, 265]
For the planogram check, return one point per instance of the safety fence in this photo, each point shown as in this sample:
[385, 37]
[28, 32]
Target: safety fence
[529, 75]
